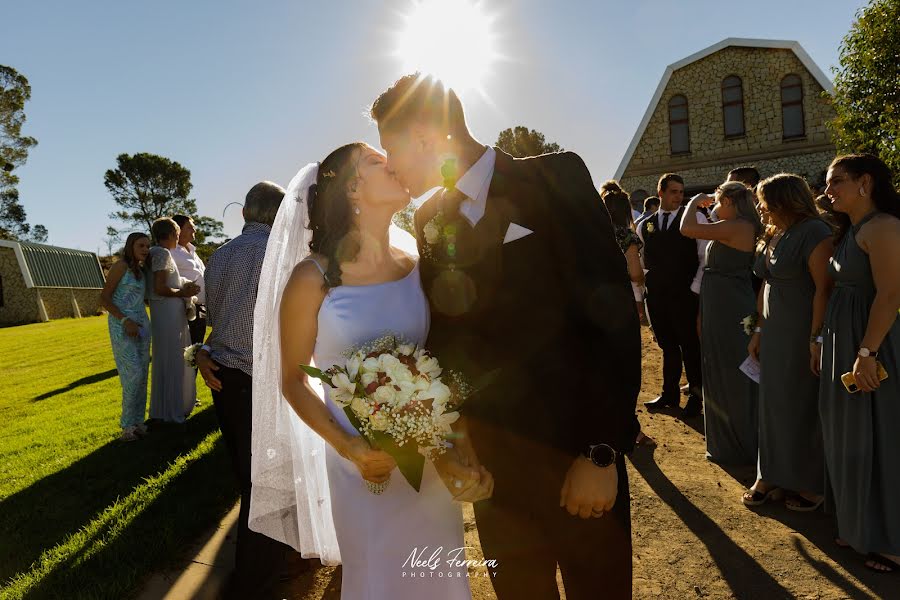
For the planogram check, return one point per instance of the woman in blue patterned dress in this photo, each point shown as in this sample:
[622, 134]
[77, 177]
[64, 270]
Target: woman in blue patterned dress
[129, 331]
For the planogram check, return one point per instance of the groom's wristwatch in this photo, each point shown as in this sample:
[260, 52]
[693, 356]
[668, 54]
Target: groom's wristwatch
[602, 455]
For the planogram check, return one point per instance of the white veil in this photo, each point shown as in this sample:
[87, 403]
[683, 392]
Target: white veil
[289, 498]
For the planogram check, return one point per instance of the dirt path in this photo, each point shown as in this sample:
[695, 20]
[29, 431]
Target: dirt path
[692, 536]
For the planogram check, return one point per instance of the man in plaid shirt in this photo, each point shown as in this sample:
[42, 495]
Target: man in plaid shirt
[226, 365]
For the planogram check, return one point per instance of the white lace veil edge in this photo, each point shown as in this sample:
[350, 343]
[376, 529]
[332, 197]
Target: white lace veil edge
[289, 498]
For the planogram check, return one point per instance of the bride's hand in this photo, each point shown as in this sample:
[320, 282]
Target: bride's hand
[374, 465]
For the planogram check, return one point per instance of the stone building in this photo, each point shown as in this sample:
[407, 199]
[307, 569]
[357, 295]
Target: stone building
[39, 283]
[738, 102]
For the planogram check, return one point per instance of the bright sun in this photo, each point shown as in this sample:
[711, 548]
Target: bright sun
[451, 40]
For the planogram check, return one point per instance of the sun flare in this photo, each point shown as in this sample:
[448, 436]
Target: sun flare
[453, 41]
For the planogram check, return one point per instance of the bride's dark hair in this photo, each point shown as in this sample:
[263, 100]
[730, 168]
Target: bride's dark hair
[331, 213]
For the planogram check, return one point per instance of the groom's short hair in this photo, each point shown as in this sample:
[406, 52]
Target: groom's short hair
[418, 97]
[262, 202]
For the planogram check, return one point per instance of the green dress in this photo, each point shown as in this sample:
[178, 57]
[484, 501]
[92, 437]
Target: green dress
[790, 433]
[862, 442]
[729, 396]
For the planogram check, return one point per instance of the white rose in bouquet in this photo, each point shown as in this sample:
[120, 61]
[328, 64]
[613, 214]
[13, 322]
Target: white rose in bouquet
[385, 394]
[368, 378]
[379, 421]
[389, 362]
[437, 391]
[429, 366]
[360, 408]
[371, 365]
[406, 349]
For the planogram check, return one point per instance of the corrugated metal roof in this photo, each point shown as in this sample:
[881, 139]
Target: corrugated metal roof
[51, 266]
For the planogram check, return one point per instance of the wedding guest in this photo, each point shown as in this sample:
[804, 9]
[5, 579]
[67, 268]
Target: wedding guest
[611, 186]
[620, 213]
[794, 265]
[862, 329]
[191, 267]
[226, 365]
[674, 269]
[129, 331]
[726, 297]
[651, 205]
[748, 175]
[172, 389]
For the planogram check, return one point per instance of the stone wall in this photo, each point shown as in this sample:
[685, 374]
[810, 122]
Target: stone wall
[19, 303]
[809, 166]
[712, 155]
[58, 302]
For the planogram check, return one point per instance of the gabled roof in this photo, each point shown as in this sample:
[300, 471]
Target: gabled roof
[50, 266]
[798, 50]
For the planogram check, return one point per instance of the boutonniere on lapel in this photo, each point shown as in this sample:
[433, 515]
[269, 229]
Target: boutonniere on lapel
[440, 235]
[650, 227]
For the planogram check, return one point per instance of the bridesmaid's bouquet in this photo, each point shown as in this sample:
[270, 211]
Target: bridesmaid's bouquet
[399, 398]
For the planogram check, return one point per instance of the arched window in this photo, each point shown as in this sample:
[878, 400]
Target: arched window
[792, 107]
[733, 106]
[679, 135]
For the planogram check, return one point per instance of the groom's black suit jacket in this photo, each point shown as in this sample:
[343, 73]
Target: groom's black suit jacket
[551, 314]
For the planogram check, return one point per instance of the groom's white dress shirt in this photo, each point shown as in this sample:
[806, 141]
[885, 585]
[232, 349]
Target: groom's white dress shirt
[701, 244]
[475, 184]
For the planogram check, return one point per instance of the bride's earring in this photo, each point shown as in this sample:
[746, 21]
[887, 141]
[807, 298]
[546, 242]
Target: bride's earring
[862, 191]
[355, 210]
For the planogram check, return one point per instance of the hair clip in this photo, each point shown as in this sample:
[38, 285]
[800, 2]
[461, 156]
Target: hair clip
[329, 174]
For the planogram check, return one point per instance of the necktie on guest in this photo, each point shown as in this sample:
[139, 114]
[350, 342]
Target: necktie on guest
[665, 223]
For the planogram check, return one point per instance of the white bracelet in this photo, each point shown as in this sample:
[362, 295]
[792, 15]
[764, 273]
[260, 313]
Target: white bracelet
[757, 330]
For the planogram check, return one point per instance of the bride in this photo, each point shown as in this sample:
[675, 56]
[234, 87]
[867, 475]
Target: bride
[334, 278]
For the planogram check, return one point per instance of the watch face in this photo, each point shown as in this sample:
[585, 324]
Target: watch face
[602, 455]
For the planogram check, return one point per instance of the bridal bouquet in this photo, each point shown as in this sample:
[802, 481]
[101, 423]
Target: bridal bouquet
[399, 398]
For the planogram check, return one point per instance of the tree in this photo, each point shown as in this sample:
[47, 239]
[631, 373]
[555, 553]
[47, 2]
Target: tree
[207, 231]
[521, 142]
[14, 93]
[147, 187]
[866, 95]
[113, 238]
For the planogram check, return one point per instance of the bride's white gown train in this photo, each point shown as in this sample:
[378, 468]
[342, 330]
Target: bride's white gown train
[377, 534]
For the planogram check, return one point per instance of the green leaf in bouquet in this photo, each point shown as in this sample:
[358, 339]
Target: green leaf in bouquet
[410, 462]
[316, 373]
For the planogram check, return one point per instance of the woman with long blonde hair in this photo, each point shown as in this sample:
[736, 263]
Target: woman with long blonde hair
[726, 297]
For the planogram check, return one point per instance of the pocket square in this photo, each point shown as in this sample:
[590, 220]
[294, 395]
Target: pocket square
[515, 232]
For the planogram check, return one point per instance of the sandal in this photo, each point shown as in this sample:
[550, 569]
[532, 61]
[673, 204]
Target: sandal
[877, 560]
[798, 503]
[756, 498]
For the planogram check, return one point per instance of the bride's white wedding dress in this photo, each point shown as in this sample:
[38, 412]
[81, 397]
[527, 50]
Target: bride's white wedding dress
[381, 537]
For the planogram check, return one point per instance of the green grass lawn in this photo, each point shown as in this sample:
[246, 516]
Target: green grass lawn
[83, 515]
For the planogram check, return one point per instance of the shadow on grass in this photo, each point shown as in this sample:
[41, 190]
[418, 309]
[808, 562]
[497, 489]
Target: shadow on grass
[746, 577]
[47, 512]
[818, 528]
[147, 536]
[95, 378]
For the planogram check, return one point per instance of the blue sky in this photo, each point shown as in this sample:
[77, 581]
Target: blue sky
[239, 92]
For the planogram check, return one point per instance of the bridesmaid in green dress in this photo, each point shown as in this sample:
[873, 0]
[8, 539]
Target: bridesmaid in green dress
[862, 443]
[726, 297]
[129, 331]
[794, 265]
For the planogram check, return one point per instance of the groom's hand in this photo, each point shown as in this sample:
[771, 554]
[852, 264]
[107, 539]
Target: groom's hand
[465, 482]
[589, 490]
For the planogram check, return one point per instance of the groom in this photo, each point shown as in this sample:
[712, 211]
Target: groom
[526, 283]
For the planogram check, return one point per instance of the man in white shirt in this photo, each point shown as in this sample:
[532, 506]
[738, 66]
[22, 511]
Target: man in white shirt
[674, 265]
[191, 268]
